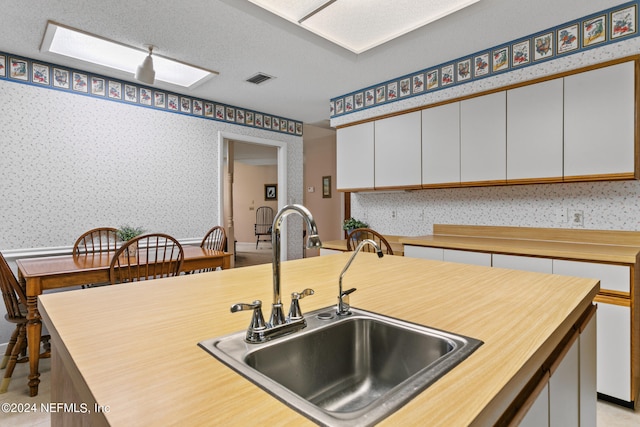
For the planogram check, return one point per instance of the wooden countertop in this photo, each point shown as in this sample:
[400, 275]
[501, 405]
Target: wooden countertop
[135, 345]
[620, 247]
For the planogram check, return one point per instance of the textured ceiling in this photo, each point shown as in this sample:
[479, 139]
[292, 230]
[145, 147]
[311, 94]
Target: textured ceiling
[239, 39]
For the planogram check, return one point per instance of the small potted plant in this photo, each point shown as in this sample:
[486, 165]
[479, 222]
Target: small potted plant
[126, 233]
[351, 224]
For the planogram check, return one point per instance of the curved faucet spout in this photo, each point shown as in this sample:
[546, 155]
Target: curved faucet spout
[277, 314]
[343, 308]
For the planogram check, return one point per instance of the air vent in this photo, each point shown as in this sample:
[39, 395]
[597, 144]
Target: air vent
[259, 78]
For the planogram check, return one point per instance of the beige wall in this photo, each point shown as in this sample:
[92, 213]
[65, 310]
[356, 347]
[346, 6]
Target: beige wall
[248, 195]
[319, 161]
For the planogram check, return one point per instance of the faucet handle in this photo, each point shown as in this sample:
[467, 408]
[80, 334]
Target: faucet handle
[344, 308]
[257, 320]
[294, 311]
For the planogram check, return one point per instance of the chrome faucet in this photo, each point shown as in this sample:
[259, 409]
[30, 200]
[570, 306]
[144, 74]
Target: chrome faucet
[343, 308]
[277, 315]
[278, 325]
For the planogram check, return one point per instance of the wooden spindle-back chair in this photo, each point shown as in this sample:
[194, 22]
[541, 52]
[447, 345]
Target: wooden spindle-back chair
[15, 300]
[97, 240]
[264, 222]
[102, 239]
[360, 234]
[146, 257]
[215, 239]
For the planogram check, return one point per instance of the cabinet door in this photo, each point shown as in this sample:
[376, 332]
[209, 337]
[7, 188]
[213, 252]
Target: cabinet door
[354, 157]
[538, 414]
[423, 252]
[613, 326]
[534, 131]
[483, 145]
[441, 144]
[398, 151]
[599, 111]
[524, 263]
[467, 257]
[612, 277]
[588, 374]
[614, 351]
[564, 386]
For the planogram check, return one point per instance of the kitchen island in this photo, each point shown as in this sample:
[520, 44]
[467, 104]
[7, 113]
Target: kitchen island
[129, 352]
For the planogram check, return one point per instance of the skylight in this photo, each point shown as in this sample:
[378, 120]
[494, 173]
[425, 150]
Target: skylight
[359, 25]
[66, 41]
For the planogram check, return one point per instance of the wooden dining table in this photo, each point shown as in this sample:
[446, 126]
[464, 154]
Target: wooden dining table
[55, 272]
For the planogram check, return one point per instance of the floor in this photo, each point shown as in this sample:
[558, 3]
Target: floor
[18, 409]
[247, 254]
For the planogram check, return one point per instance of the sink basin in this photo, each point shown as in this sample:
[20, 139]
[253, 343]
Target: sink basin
[346, 370]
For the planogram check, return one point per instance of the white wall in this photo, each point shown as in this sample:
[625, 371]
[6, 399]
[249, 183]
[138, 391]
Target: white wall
[606, 205]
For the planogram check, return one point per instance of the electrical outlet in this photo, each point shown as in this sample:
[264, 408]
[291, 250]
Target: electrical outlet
[561, 215]
[577, 218]
[394, 214]
[421, 216]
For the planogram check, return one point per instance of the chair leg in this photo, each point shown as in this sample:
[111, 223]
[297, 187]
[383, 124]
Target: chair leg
[17, 348]
[10, 345]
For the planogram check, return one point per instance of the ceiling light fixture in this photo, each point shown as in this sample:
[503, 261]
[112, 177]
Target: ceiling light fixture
[359, 25]
[82, 48]
[145, 72]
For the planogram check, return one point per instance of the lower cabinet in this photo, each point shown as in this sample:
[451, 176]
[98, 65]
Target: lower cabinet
[614, 325]
[613, 348]
[614, 351]
[424, 252]
[564, 390]
[588, 372]
[538, 414]
[569, 398]
[449, 255]
[524, 263]
[467, 257]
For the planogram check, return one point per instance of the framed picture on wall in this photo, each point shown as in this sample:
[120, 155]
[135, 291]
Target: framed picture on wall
[326, 187]
[271, 191]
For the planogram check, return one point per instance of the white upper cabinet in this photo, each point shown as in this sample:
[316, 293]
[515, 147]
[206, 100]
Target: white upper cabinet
[441, 144]
[354, 157]
[534, 131]
[398, 151]
[483, 147]
[599, 111]
[575, 128]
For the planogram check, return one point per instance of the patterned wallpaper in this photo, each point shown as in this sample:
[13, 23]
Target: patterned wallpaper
[51, 76]
[70, 163]
[606, 205]
[579, 35]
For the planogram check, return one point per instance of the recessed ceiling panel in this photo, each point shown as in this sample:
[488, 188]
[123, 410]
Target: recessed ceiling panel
[359, 25]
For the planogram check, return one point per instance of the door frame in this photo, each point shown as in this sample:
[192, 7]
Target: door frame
[283, 193]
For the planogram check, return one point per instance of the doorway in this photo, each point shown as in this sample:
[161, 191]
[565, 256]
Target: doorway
[237, 209]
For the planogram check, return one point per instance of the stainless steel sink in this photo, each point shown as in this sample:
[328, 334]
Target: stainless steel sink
[346, 370]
